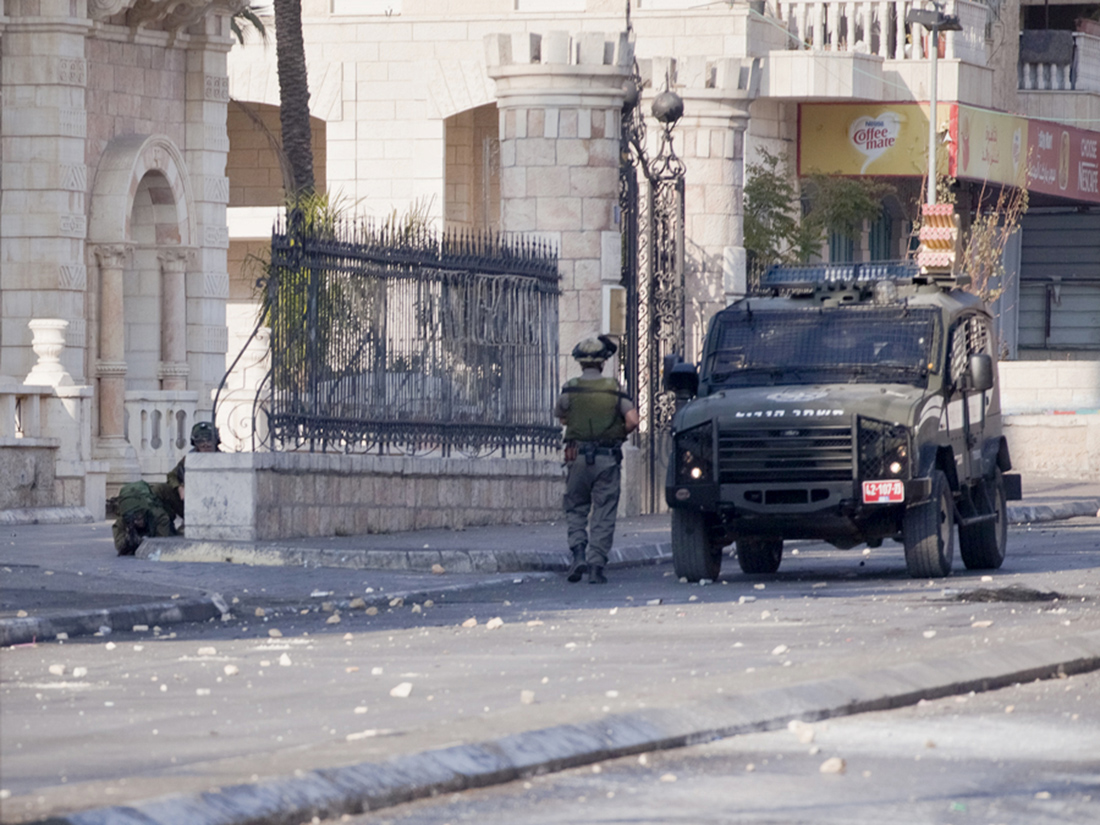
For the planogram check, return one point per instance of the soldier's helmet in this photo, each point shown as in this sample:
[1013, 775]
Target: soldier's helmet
[594, 351]
[204, 433]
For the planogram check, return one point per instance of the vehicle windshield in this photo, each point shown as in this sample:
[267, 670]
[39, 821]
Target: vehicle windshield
[854, 344]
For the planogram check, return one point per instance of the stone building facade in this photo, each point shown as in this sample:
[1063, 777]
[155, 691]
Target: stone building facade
[112, 224]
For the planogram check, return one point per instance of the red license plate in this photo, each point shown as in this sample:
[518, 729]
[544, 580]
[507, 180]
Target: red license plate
[883, 492]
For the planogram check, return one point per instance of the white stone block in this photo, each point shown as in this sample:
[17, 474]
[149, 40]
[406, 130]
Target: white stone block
[556, 47]
[222, 496]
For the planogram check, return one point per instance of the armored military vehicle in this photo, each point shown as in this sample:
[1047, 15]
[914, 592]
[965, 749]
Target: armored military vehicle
[851, 403]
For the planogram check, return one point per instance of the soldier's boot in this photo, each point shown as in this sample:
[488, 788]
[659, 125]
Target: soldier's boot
[578, 568]
[595, 575]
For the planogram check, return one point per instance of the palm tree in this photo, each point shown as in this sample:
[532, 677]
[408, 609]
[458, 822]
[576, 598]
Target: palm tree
[290, 58]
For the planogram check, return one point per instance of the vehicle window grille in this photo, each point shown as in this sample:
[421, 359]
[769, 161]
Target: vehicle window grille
[795, 454]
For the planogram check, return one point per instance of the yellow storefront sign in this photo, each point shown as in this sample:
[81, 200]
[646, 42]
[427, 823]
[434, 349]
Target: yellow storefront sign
[867, 139]
[989, 146]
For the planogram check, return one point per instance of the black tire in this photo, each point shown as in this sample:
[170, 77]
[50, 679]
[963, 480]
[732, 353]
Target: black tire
[928, 532]
[695, 555]
[982, 546]
[759, 555]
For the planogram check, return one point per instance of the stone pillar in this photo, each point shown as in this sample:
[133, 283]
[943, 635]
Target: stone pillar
[205, 151]
[173, 367]
[111, 443]
[560, 100]
[716, 116]
[43, 225]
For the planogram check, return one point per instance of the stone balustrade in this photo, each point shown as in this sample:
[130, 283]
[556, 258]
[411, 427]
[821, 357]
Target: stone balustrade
[1081, 75]
[23, 412]
[877, 27]
[158, 427]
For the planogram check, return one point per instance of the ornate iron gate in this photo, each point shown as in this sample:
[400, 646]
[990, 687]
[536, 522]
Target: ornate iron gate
[653, 273]
[401, 341]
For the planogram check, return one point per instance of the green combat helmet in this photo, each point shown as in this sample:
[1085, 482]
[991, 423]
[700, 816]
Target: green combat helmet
[594, 351]
[204, 433]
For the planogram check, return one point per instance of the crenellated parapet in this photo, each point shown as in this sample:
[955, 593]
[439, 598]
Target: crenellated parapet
[560, 99]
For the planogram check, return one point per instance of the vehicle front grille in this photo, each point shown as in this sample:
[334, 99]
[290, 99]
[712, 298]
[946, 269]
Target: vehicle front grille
[787, 454]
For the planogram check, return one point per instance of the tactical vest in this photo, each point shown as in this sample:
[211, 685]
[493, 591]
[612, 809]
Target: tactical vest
[593, 413]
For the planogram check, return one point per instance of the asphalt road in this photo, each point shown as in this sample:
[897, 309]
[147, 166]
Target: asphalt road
[1025, 755]
[109, 720]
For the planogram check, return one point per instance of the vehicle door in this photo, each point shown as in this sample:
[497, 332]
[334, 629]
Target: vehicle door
[966, 408]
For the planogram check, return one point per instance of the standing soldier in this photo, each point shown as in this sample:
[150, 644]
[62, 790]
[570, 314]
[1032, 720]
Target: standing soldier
[597, 416]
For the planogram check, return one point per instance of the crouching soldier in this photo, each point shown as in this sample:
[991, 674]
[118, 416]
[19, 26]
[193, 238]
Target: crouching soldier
[142, 511]
[204, 439]
[597, 416]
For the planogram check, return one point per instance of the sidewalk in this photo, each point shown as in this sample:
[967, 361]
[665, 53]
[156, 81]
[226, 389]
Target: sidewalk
[66, 578]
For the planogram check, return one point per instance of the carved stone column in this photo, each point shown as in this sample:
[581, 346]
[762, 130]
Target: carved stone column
[173, 368]
[560, 100]
[111, 444]
[717, 95]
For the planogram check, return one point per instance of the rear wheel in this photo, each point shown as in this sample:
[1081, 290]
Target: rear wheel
[982, 546]
[928, 532]
[759, 555]
[695, 555]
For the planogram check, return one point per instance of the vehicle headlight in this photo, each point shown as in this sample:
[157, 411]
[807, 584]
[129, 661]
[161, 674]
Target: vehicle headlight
[883, 450]
[694, 454]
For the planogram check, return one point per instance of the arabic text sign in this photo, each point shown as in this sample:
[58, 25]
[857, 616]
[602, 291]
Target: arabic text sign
[989, 146]
[1063, 161]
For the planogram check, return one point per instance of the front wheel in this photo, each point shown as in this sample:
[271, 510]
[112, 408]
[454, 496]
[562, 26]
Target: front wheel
[759, 555]
[694, 555]
[928, 532]
[982, 546]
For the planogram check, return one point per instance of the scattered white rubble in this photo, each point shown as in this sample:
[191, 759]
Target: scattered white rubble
[284, 660]
[208, 651]
[402, 690]
[833, 764]
[494, 623]
[527, 697]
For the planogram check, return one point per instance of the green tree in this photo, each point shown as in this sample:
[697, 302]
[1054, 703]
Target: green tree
[779, 229]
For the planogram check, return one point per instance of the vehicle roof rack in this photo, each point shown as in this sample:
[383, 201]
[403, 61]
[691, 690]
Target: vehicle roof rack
[804, 277]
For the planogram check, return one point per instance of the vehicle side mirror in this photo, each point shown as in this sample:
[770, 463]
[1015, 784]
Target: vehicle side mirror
[682, 379]
[981, 372]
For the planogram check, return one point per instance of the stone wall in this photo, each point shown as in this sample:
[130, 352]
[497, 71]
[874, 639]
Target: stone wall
[270, 496]
[1055, 445]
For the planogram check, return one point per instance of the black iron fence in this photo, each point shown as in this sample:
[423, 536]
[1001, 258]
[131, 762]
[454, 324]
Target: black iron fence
[401, 340]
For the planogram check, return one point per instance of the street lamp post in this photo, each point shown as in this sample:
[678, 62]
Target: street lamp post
[935, 21]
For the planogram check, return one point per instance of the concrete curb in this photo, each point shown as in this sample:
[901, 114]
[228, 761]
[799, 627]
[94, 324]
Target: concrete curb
[1029, 514]
[332, 792]
[469, 560]
[46, 515]
[86, 622]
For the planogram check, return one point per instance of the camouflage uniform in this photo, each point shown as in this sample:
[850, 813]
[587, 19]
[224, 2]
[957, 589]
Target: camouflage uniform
[594, 410]
[141, 512]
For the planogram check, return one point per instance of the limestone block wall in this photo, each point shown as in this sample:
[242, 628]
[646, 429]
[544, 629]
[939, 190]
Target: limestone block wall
[1059, 446]
[1049, 386]
[268, 496]
[560, 99]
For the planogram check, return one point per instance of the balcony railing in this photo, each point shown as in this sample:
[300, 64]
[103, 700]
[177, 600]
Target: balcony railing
[158, 427]
[878, 27]
[23, 411]
[1081, 73]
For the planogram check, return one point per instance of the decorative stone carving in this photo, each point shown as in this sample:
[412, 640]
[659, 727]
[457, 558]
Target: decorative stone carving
[173, 15]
